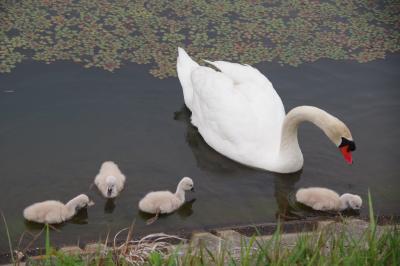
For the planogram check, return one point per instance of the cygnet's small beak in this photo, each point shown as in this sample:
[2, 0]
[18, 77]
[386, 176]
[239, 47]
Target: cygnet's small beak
[109, 191]
[192, 189]
[91, 203]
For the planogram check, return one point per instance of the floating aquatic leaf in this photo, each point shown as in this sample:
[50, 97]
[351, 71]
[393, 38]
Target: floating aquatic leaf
[107, 33]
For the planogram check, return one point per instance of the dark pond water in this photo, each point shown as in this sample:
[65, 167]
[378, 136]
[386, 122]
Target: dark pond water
[58, 123]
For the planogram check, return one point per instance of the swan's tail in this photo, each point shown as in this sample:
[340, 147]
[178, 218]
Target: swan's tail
[184, 66]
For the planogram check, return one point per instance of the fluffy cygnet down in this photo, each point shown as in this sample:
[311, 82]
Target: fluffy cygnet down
[110, 181]
[323, 199]
[55, 212]
[165, 201]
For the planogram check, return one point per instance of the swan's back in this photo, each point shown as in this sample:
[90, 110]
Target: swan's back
[236, 110]
[41, 211]
[318, 198]
[166, 201]
[240, 73]
[109, 169]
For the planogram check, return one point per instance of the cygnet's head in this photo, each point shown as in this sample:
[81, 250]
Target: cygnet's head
[111, 189]
[340, 135]
[187, 184]
[82, 201]
[353, 201]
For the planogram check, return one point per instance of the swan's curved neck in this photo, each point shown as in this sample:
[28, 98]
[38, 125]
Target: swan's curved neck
[180, 193]
[343, 204]
[72, 207]
[290, 157]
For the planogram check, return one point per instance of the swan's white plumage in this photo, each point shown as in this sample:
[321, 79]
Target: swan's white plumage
[323, 199]
[110, 180]
[185, 66]
[239, 114]
[232, 109]
[166, 201]
[54, 212]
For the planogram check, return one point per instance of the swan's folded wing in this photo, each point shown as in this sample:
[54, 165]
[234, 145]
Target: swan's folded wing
[222, 114]
[255, 87]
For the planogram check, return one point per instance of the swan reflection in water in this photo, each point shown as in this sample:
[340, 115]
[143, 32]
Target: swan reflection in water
[284, 184]
[109, 206]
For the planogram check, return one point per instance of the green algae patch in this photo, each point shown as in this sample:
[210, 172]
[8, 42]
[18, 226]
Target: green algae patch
[107, 34]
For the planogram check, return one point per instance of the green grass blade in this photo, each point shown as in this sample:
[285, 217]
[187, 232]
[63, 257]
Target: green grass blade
[9, 238]
[47, 241]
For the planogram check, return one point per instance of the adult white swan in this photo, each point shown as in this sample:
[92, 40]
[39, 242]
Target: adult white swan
[239, 114]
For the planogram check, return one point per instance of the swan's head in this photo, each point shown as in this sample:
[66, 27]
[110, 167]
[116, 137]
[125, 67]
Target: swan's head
[111, 187]
[187, 184]
[82, 201]
[352, 201]
[340, 135]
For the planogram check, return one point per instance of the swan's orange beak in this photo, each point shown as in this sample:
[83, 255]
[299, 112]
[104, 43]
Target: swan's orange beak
[346, 147]
[346, 154]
